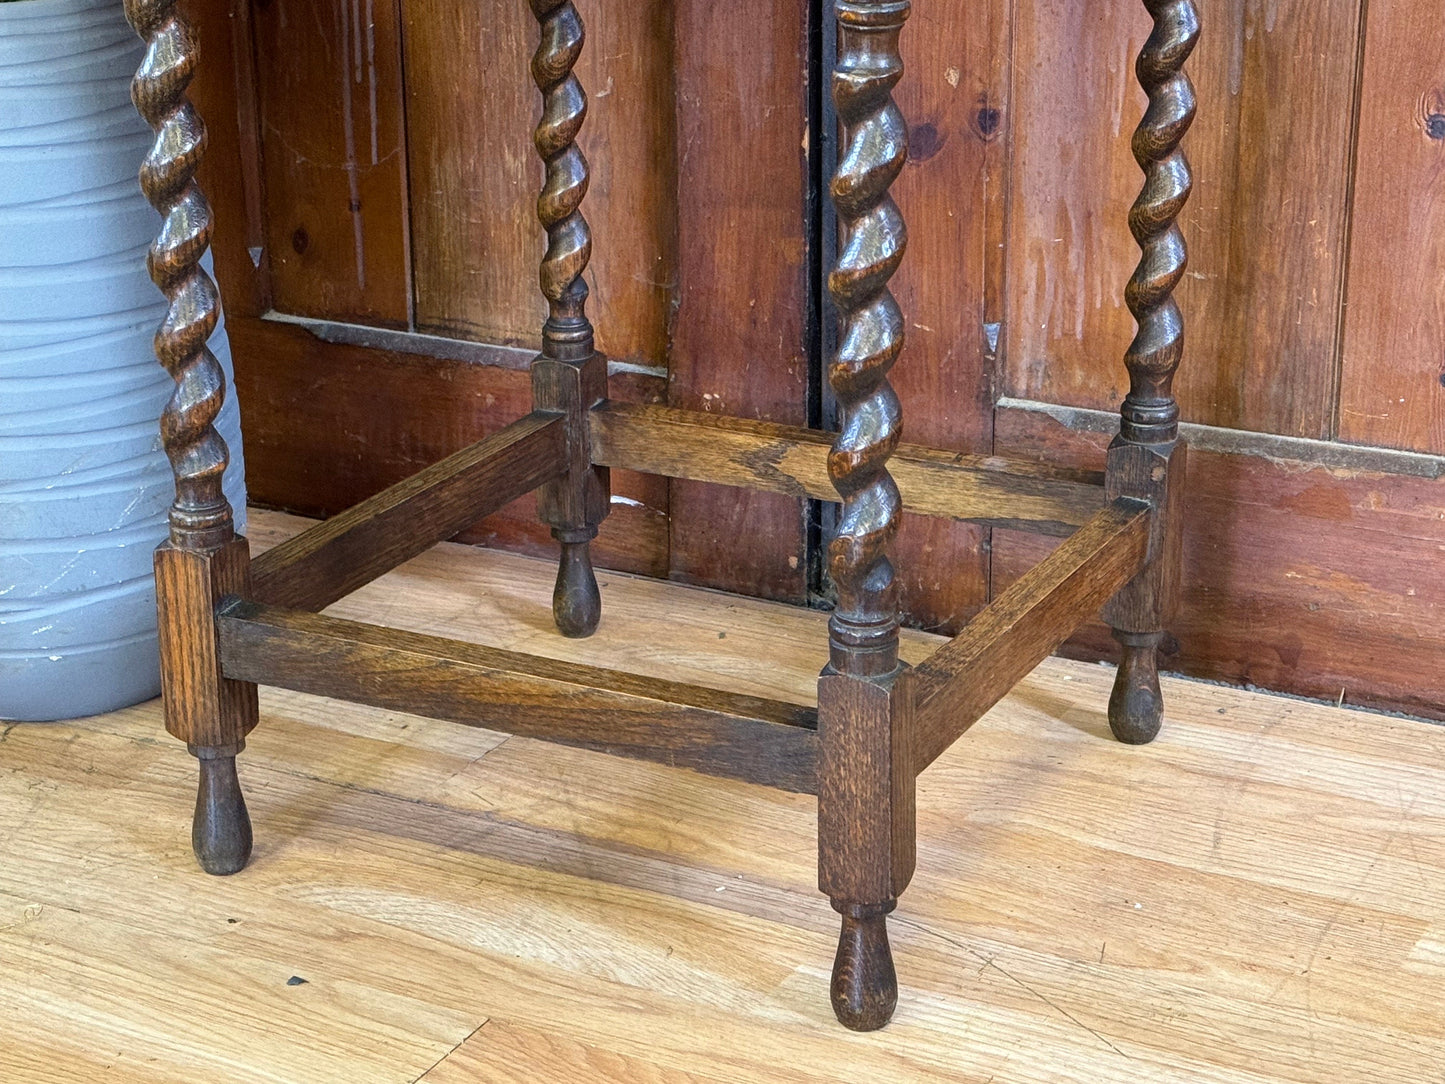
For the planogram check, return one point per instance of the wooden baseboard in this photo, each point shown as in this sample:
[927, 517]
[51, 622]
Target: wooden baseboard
[328, 424]
[1309, 567]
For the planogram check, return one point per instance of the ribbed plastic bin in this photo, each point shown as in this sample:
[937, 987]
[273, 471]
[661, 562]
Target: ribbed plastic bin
[84, 484]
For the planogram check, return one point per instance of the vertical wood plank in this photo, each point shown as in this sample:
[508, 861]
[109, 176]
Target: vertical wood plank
[740, 343]
[471, 109]
[954, 94]
[1266, 225]
[1393, 371]
[328, 86]
[224, 92]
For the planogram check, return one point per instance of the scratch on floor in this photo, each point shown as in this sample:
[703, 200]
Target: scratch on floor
[1238, 786]
[468, 765]
[1350, 898]
[988, 961]
[465, 1039]
[1056, 1007]
[1407, 810]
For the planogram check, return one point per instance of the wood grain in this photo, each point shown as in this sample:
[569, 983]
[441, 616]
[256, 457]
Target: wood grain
[509, 1051]
[1270, 870]
[740, 342]
[684, 726]
[867, 828]
[1157, 475]
[1020, 628]
[1266, 226]
[955, 94]
[202, 708]
[319, 566]
[867, 848]
[224, 91]
[471, 109]
[1392, 384]
[794, 461]
[333, 172]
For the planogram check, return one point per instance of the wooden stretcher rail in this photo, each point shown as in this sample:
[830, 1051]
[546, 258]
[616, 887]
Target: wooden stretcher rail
[960, 681]
[792, 460]
[684, 726]
[334, 558]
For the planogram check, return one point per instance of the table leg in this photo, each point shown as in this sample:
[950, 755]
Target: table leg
[865, 780]
[569, 375]
[1146, 460]
[204, 559]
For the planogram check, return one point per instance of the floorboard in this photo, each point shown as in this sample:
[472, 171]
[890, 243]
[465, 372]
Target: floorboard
[1257, 898]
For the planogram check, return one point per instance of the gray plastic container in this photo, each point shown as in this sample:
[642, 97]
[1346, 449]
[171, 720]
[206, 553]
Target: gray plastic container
[84, 484]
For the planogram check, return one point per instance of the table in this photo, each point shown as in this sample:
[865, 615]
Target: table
[228, 624]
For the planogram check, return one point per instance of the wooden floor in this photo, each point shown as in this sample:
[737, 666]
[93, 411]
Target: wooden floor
[1257, 897]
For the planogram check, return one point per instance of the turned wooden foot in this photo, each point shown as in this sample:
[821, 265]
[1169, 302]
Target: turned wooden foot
[221, 830]
[865, 986]
[576, 602]
[1136, 706]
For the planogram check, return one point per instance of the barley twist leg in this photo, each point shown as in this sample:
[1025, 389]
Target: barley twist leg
[865, 790]
[1147, 458]
[569, 375]
[204, 559]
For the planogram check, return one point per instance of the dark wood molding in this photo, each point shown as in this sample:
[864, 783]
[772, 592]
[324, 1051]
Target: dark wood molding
[1220, 440]
[445, 347]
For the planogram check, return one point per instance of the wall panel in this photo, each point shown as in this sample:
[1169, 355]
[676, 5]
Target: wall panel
[740, 343]
[471, 108]
[952, 194]
[1266, 225]
[333, 163]
[1393, 388]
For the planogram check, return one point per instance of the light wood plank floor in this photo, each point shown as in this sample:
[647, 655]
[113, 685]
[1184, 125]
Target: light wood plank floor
[1257, 897]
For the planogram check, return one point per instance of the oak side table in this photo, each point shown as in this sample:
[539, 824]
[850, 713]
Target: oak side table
[227, 623]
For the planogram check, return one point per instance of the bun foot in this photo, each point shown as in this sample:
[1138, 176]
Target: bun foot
[1136, 706]
[865, 986]
[221, 830]
[576, 602]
